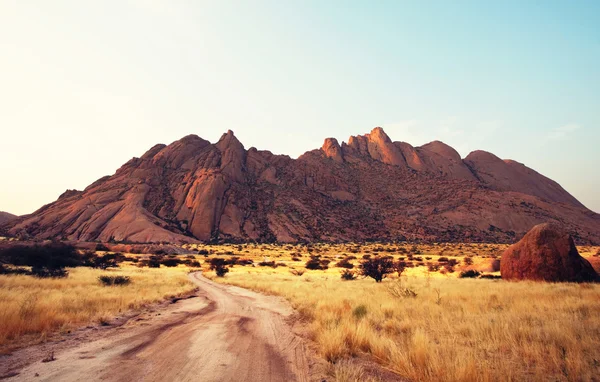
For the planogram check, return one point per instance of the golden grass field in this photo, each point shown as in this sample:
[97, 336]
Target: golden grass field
[455, 329]
[37, 307]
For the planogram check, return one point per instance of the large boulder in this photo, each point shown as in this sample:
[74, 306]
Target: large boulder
[546, 253]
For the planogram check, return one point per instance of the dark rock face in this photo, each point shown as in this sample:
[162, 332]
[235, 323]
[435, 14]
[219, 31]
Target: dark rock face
[368, 188]
[546, 253]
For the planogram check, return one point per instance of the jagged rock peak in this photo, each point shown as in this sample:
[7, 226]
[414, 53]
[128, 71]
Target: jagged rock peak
[331, 148]
[229, 141]
[377, 135]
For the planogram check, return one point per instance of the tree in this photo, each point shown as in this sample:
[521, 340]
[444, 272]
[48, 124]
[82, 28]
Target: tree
[49, 260]
[377, 267]
[221, 270]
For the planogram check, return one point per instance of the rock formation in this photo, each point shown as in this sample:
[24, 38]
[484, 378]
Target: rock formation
[368, 188]
[546, 253]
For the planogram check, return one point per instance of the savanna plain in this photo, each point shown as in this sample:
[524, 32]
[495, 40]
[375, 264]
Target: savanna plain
[442, 315]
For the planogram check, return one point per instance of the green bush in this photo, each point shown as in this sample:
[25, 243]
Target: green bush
[114, 280]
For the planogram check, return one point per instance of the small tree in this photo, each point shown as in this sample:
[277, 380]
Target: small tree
[400, 266]
[221, 270]
[377, 267]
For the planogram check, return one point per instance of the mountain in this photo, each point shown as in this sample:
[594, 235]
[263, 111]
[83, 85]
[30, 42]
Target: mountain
[6, 217]
[367, 188]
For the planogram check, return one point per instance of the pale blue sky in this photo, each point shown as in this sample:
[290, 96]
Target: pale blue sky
[85, 86]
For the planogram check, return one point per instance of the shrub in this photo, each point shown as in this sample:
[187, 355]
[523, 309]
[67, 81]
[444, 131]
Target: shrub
[295, 258]
[345, 263]
[44, 272]
[348, 275]
[297, 272]
[216, 262]
[203, 252]
[449, 268]
[316, 263]
[397, 290]
[443, 259]
[490, 276]
[469, 274]
[377, 268]
[101, 247]
[108, 260]
[271, 264]
[221, 270]
[114, 280]
[468, 260]
[431, 267]
[359, 312]
[154, 262]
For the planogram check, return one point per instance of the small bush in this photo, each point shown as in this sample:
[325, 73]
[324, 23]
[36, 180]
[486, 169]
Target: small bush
[397, 290]
[154, 262]
[345, 263]
[489, 276]
[348, 275]
[271, 264]
[170, 262]
[431, 267]
[359, 312]
[469, 274]
[114, 280]
[43, 272]
[316, 263]
[297, 272]
[443, 259]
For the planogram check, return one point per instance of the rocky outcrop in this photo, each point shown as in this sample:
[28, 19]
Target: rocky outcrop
[368, 188]
[546, 253]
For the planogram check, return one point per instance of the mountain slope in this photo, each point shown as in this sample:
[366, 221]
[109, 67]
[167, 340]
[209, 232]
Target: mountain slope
[368, 188]
[6, 217]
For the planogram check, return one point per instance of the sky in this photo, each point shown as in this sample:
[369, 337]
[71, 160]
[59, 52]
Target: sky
[86, 86]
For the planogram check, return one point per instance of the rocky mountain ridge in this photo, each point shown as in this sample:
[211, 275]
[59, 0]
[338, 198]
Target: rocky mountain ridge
[370, 188]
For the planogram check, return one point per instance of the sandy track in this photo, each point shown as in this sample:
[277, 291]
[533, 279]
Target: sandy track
[232, 334]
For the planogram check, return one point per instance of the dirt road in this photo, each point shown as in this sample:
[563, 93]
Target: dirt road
[230, 334]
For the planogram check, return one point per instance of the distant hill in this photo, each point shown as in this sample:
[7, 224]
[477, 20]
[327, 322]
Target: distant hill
[6, 217]
[368, 188]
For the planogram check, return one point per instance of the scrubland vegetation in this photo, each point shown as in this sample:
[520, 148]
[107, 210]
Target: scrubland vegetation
[431, 324]
[35, 305]
[438, 314]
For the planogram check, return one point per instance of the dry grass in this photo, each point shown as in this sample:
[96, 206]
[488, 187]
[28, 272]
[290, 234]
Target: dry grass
[453, 330]
[37, 307]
